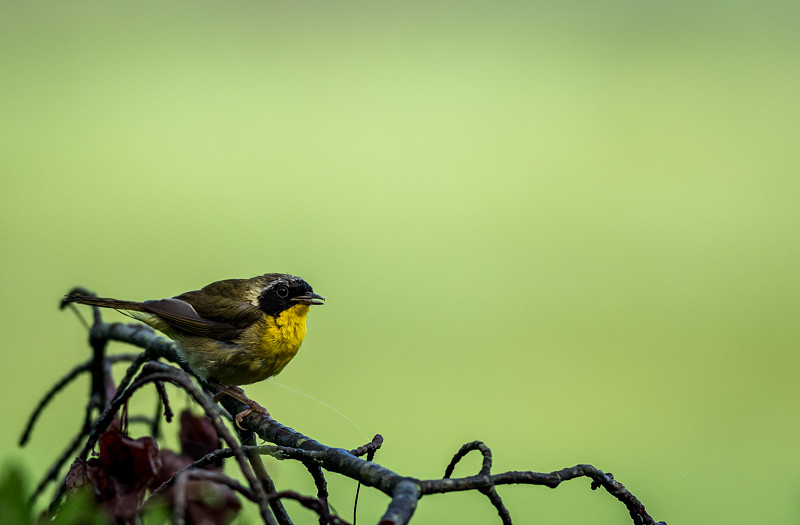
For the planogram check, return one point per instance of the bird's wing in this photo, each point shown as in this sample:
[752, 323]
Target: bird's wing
[223, 306]
[180, 313]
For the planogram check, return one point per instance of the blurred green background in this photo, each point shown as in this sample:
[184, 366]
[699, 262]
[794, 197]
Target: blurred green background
[568, 230]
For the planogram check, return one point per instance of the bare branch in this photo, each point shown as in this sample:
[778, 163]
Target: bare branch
[322, 488]
[247, 436]
[403, 504]
[552, 480]
[368, 448]
[288, 444]
[162, 395]
[317, 505]
[55, 468]
[153, 372]
[59, 386]
[179, 507]
[486, 469]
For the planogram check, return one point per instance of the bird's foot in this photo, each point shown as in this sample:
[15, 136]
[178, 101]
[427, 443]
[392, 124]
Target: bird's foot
[238, 394]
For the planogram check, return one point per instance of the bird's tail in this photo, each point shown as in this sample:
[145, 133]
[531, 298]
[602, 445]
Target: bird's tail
[102, 302]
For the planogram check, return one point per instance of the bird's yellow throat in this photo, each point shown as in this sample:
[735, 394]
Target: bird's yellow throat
[285, 333]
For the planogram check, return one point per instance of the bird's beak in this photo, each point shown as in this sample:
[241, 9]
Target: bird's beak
[309, 298]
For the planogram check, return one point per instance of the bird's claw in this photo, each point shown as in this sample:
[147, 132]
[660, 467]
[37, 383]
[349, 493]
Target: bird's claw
[254, 407]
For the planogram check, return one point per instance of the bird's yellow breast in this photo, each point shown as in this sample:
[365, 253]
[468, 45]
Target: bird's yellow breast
[283, 336]
[263, 350]
[286, 332]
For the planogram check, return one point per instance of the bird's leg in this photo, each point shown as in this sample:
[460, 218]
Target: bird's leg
[238, 394]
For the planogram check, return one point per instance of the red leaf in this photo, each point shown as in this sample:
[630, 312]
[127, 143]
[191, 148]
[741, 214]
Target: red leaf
[198, 436]
[119, 476]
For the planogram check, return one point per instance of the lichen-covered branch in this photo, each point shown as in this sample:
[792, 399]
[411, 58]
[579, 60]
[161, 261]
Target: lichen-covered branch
[403, 490]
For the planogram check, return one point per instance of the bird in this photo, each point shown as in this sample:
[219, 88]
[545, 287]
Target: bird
[231, 332]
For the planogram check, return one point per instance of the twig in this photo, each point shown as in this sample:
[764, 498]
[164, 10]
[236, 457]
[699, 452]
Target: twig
[322, 487]
[78, 290]
[552, 480]
[370, 447]
[162, 395]
[195, 472]
[314, 504]
[158, 372]
[59, 386]
[155, 423]
[55, 468]
[224, 453]
[466, 449]
[486, 468]
[99, 369]
[404, 491]
[247, 436]
[181, 484]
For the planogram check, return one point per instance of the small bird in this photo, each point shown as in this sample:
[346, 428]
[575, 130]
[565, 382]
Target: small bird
[232, 332]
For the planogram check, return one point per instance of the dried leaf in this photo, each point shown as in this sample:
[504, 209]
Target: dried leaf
[120, 475]
[198, 436]
[207, 503]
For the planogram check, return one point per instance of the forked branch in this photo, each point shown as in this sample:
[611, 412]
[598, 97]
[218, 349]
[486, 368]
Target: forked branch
[404, 491]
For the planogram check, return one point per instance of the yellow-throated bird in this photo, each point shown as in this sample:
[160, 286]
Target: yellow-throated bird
[232, 332]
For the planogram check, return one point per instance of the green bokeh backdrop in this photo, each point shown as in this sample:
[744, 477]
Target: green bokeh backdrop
[568, 230]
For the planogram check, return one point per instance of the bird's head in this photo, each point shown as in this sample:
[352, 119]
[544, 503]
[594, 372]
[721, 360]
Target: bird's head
[282, 291]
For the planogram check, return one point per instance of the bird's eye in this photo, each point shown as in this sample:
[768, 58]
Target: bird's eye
[282, 291]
